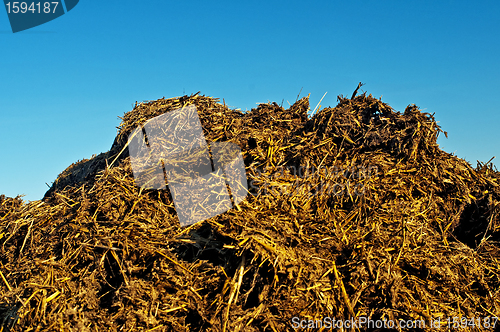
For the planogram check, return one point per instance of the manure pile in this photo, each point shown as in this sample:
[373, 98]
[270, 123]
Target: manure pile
[354, 212]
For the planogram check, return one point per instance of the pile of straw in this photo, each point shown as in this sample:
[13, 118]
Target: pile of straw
[354, 212]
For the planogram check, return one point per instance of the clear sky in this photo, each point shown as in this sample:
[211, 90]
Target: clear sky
[63, 84]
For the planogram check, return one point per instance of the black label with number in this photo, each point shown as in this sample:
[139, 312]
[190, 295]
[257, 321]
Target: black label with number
[28, 14]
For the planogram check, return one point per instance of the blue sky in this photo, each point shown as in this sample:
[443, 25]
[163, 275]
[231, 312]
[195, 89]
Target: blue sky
[63, 84]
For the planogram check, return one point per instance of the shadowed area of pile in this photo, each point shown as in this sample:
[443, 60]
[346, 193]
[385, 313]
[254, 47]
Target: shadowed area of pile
[380, 223]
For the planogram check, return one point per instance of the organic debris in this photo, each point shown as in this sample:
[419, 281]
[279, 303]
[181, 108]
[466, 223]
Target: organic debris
[355, 212]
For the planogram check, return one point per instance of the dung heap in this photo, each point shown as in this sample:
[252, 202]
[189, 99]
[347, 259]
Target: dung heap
[354, 212]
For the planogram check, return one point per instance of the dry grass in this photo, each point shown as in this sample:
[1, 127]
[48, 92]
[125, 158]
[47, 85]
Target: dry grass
[419, 242]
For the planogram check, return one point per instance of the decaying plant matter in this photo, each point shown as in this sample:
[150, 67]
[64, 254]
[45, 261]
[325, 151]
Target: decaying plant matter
[379, 222]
